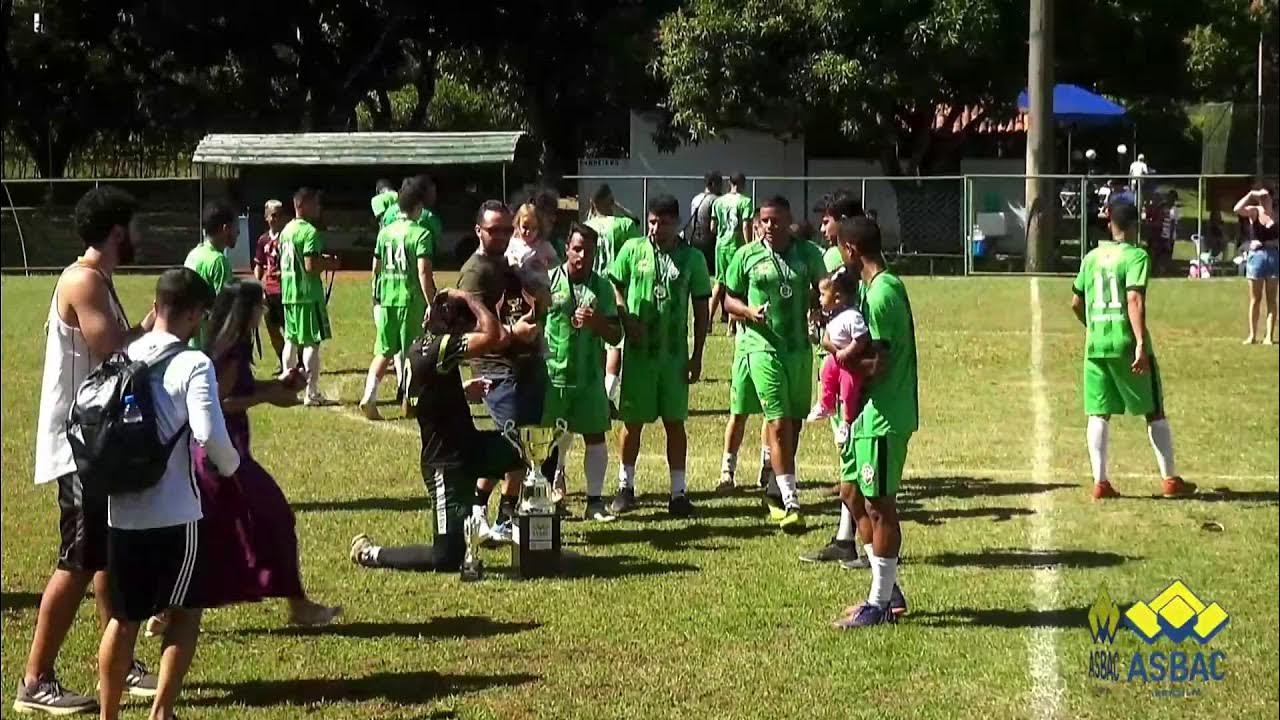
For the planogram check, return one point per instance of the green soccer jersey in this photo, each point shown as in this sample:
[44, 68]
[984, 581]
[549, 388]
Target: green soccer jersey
[576, 354]
[615, 231]
[398, 248]
[658, 287]
[428, 221]
[730, 212]
[832, 260]
[298, 240]
[211, 264]
[381, 202]
[759, 275]
[892, 397]
[1106, 274]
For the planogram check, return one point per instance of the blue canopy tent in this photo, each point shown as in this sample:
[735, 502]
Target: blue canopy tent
[1073, 107]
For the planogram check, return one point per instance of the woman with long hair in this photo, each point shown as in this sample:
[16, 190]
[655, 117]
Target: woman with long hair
[1262, 259]
[246, 515]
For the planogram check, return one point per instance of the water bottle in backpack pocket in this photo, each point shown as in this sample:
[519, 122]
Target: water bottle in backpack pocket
[112, 427]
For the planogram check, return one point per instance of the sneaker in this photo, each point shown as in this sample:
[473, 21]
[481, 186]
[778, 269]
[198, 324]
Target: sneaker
[679, 506]
[897, 604]
[858, 563]
[1104, 491]
[834, 551]
[596, 512]
[725, 486]
[139, 682]
[791, 520]
[818, 413]
[503, 532]
[865, 616]
[370, 409]
[773, 503]
[362, 551]
[624, 501]
[315, 615]
[1175, 487]
[319, 400]
[48, 696]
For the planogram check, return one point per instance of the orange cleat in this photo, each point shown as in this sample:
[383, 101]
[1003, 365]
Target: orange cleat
[1175, 487]
[1104, 491]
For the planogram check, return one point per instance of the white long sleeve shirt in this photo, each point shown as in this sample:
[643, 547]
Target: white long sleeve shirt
[186, 393]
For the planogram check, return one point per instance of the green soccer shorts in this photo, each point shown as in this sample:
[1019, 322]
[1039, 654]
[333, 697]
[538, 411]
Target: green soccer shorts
[395, 329]
[724, 254]
[1112, 388]
[653, 388]
[775, 385]
[585, 409]
[306, 323]
[875, 464]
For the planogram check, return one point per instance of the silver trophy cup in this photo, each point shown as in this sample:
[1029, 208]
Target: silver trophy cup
[472, 565]
[535, 445]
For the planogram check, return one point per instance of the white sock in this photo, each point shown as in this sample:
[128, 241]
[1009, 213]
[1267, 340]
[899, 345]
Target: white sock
[787, 486]
[370, 389]
[729, 464]
[677, 483]
[480, 512]
[1162, 442]
[311, 363]
[626, 476]
[884, 573]
[766, 459]
[398, 361]
[595, 460]
[562, 460]
[845, 532]
[1097, 432]
[871, 553]
[289, 358]
[611, 387]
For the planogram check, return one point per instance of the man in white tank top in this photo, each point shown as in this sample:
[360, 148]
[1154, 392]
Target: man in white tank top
[86, 324]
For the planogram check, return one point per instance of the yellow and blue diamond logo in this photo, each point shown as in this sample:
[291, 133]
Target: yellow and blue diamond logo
[1176, 613]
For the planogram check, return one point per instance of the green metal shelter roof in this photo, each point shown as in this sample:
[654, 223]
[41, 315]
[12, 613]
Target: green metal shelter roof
[364, 148]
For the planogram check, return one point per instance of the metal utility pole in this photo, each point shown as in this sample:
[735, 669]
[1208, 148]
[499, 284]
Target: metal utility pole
[1260, 168]
[1040, 201]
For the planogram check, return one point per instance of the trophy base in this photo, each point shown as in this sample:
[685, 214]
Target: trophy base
[536, 552]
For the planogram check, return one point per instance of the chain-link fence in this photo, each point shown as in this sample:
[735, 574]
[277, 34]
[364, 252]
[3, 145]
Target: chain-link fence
[38, 228]
[921, 218]
[1185, 218]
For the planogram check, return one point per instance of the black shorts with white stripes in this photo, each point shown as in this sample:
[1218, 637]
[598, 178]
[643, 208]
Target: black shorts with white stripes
[151, 570]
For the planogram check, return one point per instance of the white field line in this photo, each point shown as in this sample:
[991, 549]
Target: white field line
[1047, 689]
[816, 470]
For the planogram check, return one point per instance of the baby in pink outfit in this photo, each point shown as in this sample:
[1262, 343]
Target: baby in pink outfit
[846, 328]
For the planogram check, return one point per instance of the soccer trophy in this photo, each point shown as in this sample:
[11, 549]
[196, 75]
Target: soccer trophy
[536, 551]
[472, 565]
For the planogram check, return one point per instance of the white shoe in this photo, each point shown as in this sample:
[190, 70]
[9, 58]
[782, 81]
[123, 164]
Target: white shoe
[370, 409]
[318, 400]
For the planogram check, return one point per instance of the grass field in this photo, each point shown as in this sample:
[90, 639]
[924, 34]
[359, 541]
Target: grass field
[1004, 551]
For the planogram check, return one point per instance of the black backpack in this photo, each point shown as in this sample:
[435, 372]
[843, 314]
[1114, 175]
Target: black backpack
[112, 426]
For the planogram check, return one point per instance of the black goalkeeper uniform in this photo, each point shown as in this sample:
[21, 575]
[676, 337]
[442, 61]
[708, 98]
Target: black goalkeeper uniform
[454, 453]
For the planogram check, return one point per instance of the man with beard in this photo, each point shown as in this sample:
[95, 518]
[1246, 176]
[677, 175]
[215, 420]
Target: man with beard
[86, 324]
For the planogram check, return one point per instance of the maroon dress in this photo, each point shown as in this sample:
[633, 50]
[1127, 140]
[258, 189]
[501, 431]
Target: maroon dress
[248, 546]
